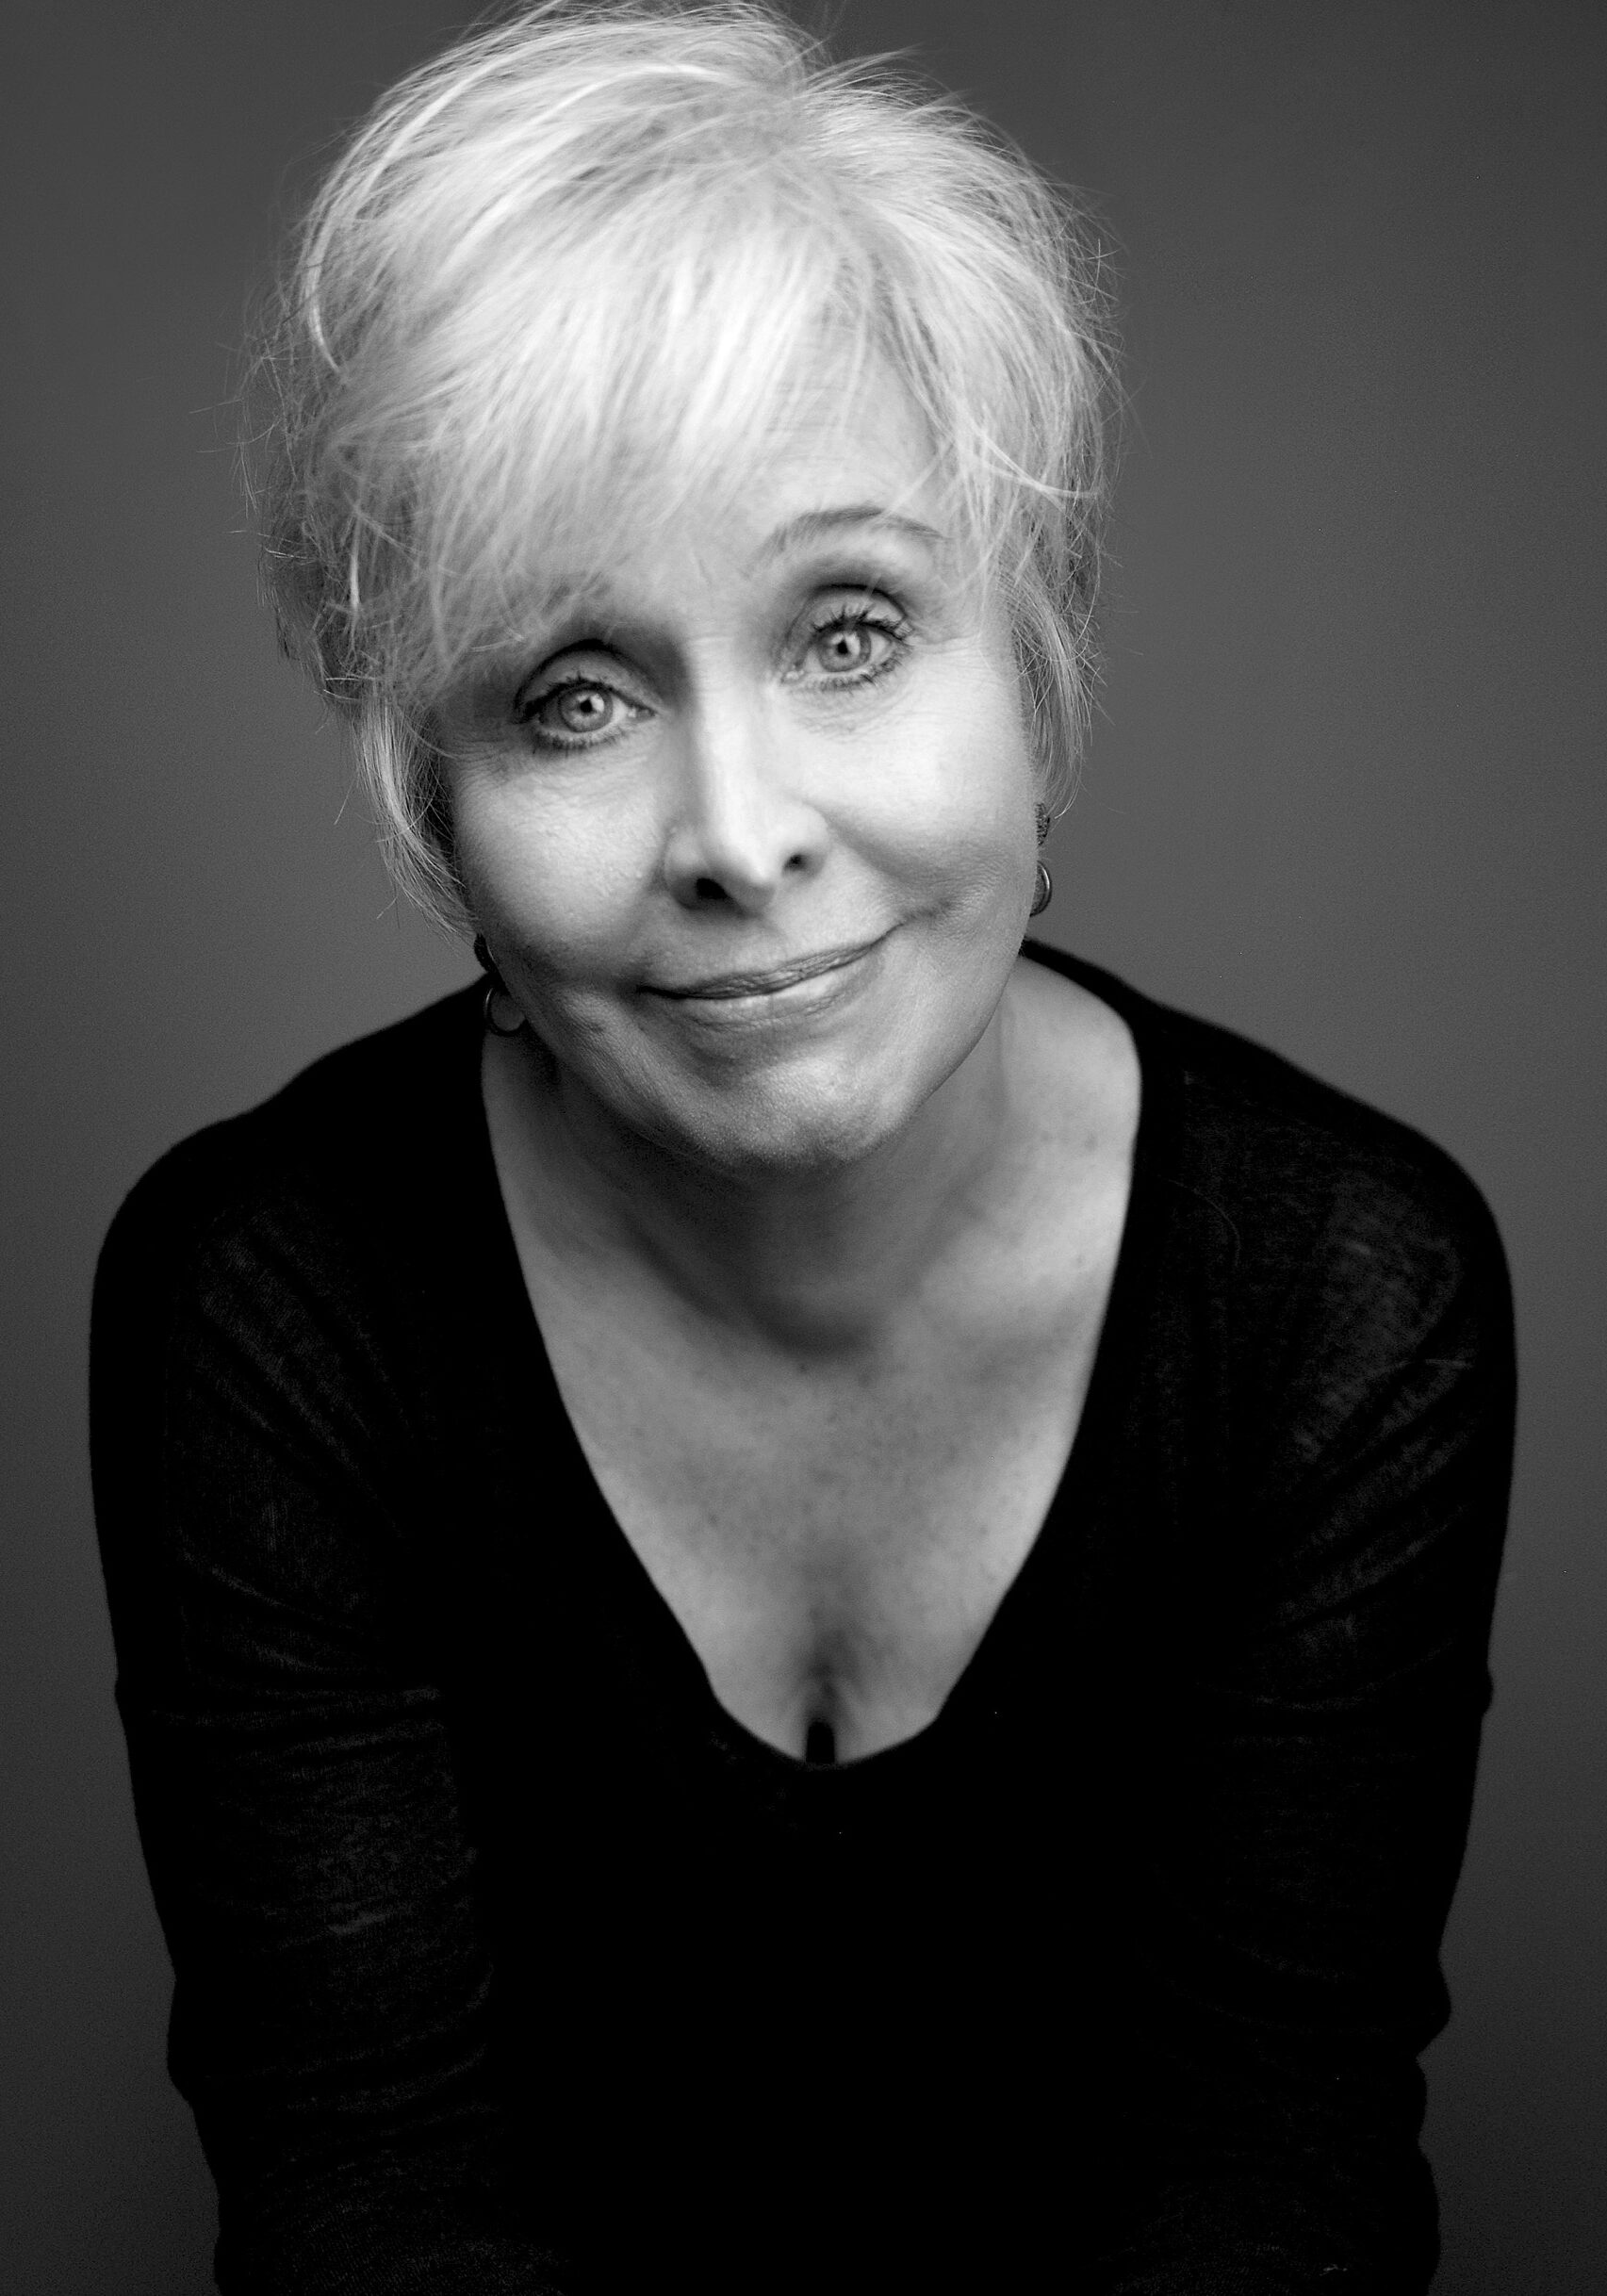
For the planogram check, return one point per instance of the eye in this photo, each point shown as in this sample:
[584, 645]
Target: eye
[575, 712]
[852, 640]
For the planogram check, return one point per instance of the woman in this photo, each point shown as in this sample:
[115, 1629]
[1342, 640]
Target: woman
[802, 1602]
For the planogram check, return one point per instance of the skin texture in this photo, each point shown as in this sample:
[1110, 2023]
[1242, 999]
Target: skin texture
[804, 742]
[819, 1262]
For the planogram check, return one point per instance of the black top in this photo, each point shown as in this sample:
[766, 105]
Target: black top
[508, 1961]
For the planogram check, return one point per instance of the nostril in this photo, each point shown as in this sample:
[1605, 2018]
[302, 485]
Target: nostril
[710, 888]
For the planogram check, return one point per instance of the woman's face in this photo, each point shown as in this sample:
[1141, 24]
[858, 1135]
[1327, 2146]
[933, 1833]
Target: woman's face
[750, 831]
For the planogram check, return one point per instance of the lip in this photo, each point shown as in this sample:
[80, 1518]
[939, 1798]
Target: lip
[726, 988]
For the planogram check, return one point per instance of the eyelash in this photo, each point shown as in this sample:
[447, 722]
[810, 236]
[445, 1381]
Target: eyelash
[868, 612]
[545, 737]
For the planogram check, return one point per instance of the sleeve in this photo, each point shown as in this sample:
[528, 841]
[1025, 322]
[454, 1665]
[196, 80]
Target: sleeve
[292, 1772]
[1335, 1664]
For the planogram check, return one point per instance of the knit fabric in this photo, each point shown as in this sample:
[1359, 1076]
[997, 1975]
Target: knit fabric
[507, 1961]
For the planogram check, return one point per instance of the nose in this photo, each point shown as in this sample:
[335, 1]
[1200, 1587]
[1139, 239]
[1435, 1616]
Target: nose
[742, 826]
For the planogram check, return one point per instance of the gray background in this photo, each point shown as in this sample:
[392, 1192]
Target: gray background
[1345, 795]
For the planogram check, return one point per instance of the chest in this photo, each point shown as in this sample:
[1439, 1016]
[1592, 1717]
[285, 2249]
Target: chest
[833, 1462]
[832, 1541]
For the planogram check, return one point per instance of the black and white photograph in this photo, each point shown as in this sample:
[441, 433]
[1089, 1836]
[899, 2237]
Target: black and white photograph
[806, 1209]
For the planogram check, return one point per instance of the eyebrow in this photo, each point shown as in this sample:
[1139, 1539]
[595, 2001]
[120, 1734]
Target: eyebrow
[812, 525]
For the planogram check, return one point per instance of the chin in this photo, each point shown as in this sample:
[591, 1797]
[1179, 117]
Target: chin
[784, 1129]
[817, 1095]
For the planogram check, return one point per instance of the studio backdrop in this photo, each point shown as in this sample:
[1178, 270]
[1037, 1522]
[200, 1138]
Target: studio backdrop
[1345, 793]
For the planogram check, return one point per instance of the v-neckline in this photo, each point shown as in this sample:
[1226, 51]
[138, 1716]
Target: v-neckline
[1112, 1368]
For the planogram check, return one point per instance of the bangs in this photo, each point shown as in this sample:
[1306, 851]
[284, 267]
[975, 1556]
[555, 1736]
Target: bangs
[573, 282]
[585, 402]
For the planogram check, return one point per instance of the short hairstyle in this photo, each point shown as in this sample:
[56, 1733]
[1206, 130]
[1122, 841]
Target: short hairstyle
[569, 275]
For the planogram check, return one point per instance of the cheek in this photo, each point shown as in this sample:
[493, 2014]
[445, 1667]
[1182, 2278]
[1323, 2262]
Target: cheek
[545, 883]
[956, 802]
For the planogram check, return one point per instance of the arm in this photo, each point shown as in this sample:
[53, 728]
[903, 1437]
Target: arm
[1331, 1644]
[256, 1487]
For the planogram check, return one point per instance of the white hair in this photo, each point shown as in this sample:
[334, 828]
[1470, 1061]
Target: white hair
[568, 277]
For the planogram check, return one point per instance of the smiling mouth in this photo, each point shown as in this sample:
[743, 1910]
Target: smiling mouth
[724, 987]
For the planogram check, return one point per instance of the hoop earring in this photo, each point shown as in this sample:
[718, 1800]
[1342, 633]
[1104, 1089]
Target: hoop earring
[1043, 891]
[496, 994]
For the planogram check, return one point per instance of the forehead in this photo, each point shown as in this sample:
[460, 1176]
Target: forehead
[838, 482]
[844, 444]
[850, 467]
[846, 441]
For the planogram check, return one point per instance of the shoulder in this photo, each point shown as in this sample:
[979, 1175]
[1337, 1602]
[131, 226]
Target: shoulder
[353, 1148]
[1283, 1183]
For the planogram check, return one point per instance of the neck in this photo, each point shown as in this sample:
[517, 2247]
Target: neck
[819, 1261]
